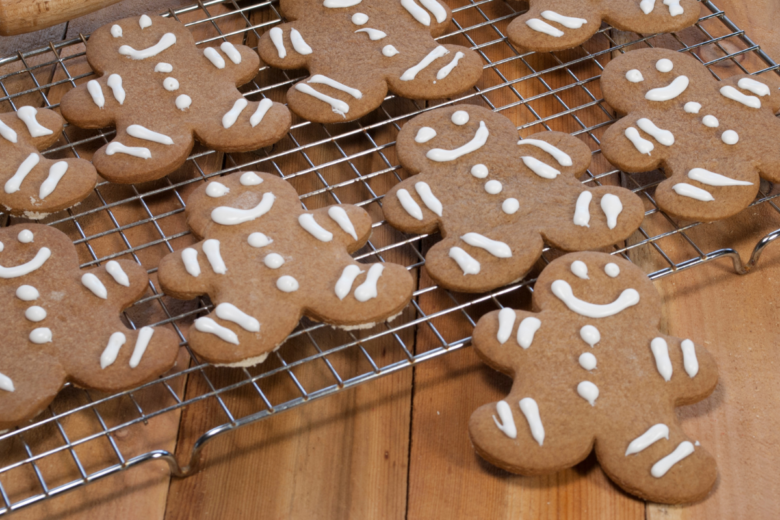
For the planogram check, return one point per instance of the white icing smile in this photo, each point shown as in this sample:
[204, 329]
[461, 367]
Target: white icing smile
[480, 138]
[28, 267]
[167, 40]
[563, 291]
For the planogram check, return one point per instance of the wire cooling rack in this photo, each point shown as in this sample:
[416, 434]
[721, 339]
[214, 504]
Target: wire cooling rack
[79, 438]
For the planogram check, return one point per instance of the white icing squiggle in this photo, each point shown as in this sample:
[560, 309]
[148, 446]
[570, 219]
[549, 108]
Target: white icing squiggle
[277, 37]
[409, 204]
[209, 326]
[479, 140]
[211, 250]
[228, 216]
[665, 137]
[661, 354]
[115, 342]
[566, 21]
[117, 273]
[319, 78]
[114, 82]
[27, 115]
[465, 261]
[229, 312]
[531, 411]
[582, 209]
[262, 108]
[544, 27]
[541, 169]
[144, 336]
[56, 172]
[40, 258]
[367, 290]
[687, 190]
[231, 116]
[641, 144]
[417, 12]
[167, 40]
[96, 91]
[654, 434]
[338, 106]
[559, 155]
[307, 222]
[690, 362]
[428, 198]
[660, 468]
[140, 132]
[612, 207]
[507, 424]
[494, 247]
[506, 322]
[13, 184]
[93, 283]
[342, 219]
[714, 179]
[445, 70]
[671, 91]
[527, 330]
[345, 281]
[562, 289]
[412, 72]
[189, 257]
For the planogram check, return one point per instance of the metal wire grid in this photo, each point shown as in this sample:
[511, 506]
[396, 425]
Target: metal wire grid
[346, 163]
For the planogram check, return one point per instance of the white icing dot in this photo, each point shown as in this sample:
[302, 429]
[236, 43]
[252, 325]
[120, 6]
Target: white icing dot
[590, 335]
[116, 31]
[145, 21]
[634, 76]
[588, 361]
[216, 189]
[27, 293]
[40, 335]
[1, 247]
[258, 240]
[692, 107]
[25, 236]
[612, 270]
[183, 102]
[460, 118]
[510, 206]
[389, 51]
[287, 284]
[250, 179]
[273, 261]
[359, 18]
[664, 65]
[163, 67]
[479, 171]
[493, 187]
[730, 137]
[170, 84]
[710, 121]
[35, 313]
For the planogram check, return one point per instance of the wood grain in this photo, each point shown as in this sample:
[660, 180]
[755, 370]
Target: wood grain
[24, 16]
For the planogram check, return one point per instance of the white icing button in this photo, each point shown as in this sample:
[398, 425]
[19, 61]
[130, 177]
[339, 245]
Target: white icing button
[588, 391]
[664, 65]
[250, 179]
[287, 284]
[590, 335]
[35, 313]
[183, 102]
[460, 118]
[493, 187]
[634, 76]
[27, 293]
[612, 270]
[163, 67]
[479, 171]
[170, 84]
[258, 240]
[359, 18]
[710, 121]
[587, 361]
[692, 107]
[510, 206]
[730, 137]
[273, 261]
[40, 335]
[389, 51]
[25, 236]
[216, 189]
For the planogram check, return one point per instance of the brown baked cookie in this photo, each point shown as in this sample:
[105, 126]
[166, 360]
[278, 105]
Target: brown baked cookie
[713, 139]
[33, 185]
[496, 200]
[161, 92]
[554, 25]
[356, 50]
[592, 371]
[62, 323]
[265, 262]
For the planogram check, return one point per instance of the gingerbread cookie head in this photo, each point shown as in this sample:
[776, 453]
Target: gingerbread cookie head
[496, 200]
[356, 50]
[554, 25]
[34, 186]
[592, 371]
[161, 92]
[714, 139]
[265, 262]
[62, 323]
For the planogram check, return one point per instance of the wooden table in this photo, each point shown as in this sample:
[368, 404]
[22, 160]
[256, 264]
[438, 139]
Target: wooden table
[398, 447]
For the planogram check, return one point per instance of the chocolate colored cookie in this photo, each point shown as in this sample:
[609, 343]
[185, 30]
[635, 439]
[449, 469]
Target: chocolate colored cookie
[62, 323]
[356, 50]
[496, 200]
[265, 262]
[554, 25]
[161, 92]
[592, 372]
[713, 139]
[34, 186]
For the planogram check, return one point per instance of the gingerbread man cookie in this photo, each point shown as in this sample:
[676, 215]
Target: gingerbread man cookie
[34, 186]
[714, 139]
[356, 50]
[496, 200]
[265, 262]
[554, 25]
[161, 92]
[62, 323]
[592, 371]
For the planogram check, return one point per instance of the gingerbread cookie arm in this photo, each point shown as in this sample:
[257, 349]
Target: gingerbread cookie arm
[190, 273]
[692, 371]
[78, 106]
[252, 124]
[499, 334]
[404, 208]
[277, 50]
[349, 225]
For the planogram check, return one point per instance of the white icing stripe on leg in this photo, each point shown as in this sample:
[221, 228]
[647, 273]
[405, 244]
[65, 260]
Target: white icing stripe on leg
[412, 72]
[231, 116]
[467, 263]
[345, 281]
[531, 411]
[566, 21]
[13, 184]
[136, 151]
[661, 467]
[507, 424]
[262, 109]
[141, 132]
[527, 330]
[506, 321]
[117, 273]
[428, 198]
[690, 362]
[325, 80]
[111, 351]
[367, 290]
[687, 190]
[277, 37]
[651, 436]
[494, 247]
[93, 283]
[479, 140]
[338, 106]
[544, 27]
[436, 8]
[115, 84]
[144, 336]
[189, 257]
[342, 219]
[211, 250]
[7, 132]
[661, 354]
[559, 155]
[445, 70]
[417, 12]
[408, 203]
[298, 43]
[582, 209]
[541, 169]
[27, 114]
[209, 326]
[641, 144]
[307, 222]
[6, 383]
[731, 93]
[213, 56]
[96, 91]
[612, 208]
[229, 312]
[56, 173]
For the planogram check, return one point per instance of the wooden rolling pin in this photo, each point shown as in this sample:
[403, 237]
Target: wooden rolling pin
[23, 16]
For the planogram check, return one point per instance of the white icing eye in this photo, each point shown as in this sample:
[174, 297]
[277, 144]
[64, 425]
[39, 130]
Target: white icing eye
[216, 189]
[258, 240]
[171, 84]
[116, 31]
[145, 21]
[359, 18]
[579, 269]
[588, 361]
[460, 118]
[692, 107]
[250, 179]
[590, 335]
[425, 134]
[183, 102]
[273, 261]
[612, 270]
[710, 121]
[479, 171]
[510, 206]
[493, 187]
[664, 65]
[25, 236]
[634, 76]
[27, 293]
[730, 137]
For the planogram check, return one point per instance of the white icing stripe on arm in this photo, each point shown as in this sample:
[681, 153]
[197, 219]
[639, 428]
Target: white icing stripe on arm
[494, 247]
[136, 151]
[544, 27]
[563, 291]
[559, 155]
[7, 132]
[345, 281]
[144, 336]
[342, 219]
[465, 261]
[531, 411]
[527, 330]
[581, 209]
[93, 283]
[731, 93]
[373, 34]
[412, 72]
[114, 82]
[671, 91]
[541, 169]
[189, 257]
[690, 363]
[367, 290]
[111, 351]
[338, 106]
[213, 56]
[262, 109]
[661, 354]
[675, 9]
[506, 322]
[665, 137]
[56, 172]
[445, 70]
[228, 216]
[307, 222]
[428, 198]
[229, 312]
[209, 326]
[140, 132]
[507, 424]
[117, 273]
[756, 87]
[6, 383]
[40, 258]
[211, 250]
[231, 116]
[435, 7]
[417, 12]
[612, 207]
[96, 91]
[167, 40]
[27, 115]
[231, 52]
[13, 184]
[641, 144]
[298, 43]
[479, 140]
[340, 3]
[409, 204]
[661, 467]
[277, 37]
[687, 190]
[566, 21]
[324, 80]
[654, 434]
[647, 6]
[714, 179]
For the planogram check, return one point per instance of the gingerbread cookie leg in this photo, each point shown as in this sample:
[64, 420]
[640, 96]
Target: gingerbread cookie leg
[544, 29]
